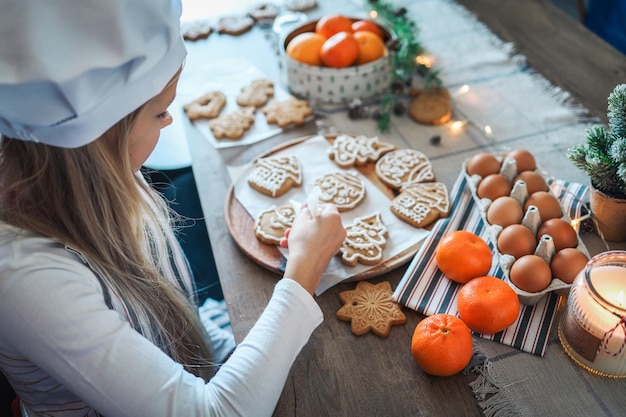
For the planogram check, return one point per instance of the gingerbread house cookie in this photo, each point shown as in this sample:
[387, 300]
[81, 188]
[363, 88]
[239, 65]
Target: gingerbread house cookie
[420, 204]
[275, 175]
[403, 166]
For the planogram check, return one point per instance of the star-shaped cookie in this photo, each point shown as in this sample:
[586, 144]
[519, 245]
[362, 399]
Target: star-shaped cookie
[370, 307]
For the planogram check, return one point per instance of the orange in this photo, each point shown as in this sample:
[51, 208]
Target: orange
[487, 305]
[306, 48]
[367, 25]
[371, 47]
[463, 255]
[442, 345]
[340, 50]
[330, 24]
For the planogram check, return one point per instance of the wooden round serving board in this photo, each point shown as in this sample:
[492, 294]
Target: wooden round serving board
[241, 226]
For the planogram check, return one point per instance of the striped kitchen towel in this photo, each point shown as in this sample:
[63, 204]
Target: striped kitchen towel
[425, 289]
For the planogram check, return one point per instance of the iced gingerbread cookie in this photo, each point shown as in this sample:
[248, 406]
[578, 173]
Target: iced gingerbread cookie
[275, 175]
[403, 166]
[365, 240]
[300, 5]
[286, 112]
[369, 307]
[349, 151]
[420, 204]
[256, 94]
[233, 125]
[196, 30]
[343, 189]
[208, 106]
[432, 106]
[264, 13]
[235, 25]
[272, 223]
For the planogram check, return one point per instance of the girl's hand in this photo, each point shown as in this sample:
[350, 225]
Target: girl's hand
[313, 240]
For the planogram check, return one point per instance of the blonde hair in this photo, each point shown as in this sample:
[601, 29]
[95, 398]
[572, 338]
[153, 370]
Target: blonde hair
[90, 200]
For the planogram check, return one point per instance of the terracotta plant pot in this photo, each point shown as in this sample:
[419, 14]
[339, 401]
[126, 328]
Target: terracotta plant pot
[610, 215]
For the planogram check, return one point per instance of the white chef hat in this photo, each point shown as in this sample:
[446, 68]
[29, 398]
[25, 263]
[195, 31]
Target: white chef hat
[69, 69]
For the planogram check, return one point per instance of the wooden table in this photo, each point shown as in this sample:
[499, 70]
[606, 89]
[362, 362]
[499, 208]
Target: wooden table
[337, 373]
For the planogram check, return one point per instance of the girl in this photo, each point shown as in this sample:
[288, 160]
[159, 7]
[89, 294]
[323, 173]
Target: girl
[97, 309]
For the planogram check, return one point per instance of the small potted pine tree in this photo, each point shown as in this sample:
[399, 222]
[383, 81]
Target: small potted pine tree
[603, 158]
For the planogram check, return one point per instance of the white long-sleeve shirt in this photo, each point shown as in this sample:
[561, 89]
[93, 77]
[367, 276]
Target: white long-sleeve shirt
[67, 354]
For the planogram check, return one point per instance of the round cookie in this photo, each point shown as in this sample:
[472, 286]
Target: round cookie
[432, 106]
[403, 166]
[343, 189]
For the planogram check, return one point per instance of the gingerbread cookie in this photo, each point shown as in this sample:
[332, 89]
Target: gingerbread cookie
[432, 106]
[235, 25]
[365, 240]
[272, 223]
[300, 5]
[208, 106]
[256, 93]
[349, 151]
[343, 189]
[370, 307]
[275, 175]
[233, 125]
[286, 112]
[420, 204]
[403, 166]
[264, 13]
[196, 30]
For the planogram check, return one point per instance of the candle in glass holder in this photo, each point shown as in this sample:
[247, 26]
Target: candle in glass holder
[593, 329]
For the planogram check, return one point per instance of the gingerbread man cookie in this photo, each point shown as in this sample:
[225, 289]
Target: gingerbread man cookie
[369, 307]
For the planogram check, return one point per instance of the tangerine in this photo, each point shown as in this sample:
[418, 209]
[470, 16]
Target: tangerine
[306, 48]
[487, 305]
[340, 50]
[331, 24]
[442, 345]
[367, 25]
[371, 47]
[463, 255]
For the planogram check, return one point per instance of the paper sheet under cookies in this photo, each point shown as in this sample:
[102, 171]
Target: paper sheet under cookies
[228, 76]
[313, 157]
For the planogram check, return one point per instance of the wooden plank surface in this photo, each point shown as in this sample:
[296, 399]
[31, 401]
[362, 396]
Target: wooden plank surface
[337, 373]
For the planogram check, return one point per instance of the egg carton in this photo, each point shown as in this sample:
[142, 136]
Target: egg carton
[531, 219]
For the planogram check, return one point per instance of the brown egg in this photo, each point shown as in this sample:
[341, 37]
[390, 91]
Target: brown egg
[504, 211]
[561, 231]
[524, 160]
[483, 164]
[547, 204]
[517, 240]
[493, 186]
[567, 263]
[534, 181]
[531, 273]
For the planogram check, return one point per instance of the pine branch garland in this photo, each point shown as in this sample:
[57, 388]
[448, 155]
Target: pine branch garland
[405, 48]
